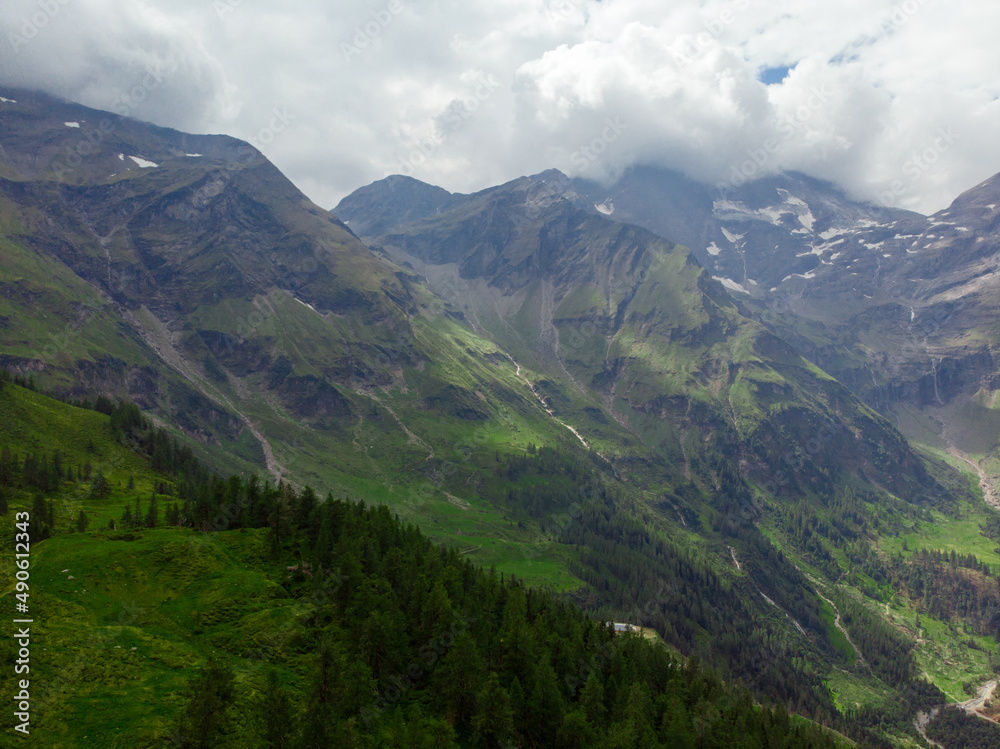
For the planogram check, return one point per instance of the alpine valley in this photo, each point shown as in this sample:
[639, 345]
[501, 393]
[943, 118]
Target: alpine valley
[382, 476]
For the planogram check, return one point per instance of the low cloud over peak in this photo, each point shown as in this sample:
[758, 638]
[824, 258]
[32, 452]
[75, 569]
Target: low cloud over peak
[893, 101]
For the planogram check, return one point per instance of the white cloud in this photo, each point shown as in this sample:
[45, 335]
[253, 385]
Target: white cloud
[381, 86]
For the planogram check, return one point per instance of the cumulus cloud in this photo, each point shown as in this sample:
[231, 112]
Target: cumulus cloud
[126, 57]
[470, 94]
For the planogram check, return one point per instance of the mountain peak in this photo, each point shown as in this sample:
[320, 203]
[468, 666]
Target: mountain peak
[409, 198]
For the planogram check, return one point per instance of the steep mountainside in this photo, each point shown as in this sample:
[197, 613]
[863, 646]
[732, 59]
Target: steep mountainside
[300, 633]
[537, 386]
[898, 306]
[630, 328]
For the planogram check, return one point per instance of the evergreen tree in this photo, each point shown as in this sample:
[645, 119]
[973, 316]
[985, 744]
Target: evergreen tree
[493, 722]
[545, 705]
[99, 487]
[458, 678]
[209, 697]
[592, 701]
[41, 528]
[276, 709]
[82, 522]
[153, 514]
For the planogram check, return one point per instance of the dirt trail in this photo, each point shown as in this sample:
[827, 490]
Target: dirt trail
[977, 703]
[549, 411]
[158, 337]
[790, 618]
[921, 722]
[413, 439]
[842, 628]
[989, 493]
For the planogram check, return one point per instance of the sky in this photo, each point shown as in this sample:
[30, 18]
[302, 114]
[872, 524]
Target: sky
[895, 102]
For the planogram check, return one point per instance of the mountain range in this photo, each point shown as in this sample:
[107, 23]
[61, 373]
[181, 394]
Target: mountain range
[743, 418]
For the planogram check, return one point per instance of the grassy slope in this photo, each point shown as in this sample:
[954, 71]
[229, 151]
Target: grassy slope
[123, 619]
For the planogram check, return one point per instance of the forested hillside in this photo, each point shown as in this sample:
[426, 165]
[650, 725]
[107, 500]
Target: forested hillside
[239, 613]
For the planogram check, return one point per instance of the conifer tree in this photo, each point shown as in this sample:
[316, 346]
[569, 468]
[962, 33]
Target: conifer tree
[209, 697]
[276, 709]
[493, 722]
[153, 514]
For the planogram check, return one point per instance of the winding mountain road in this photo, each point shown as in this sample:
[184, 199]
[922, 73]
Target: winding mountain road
[977, 703]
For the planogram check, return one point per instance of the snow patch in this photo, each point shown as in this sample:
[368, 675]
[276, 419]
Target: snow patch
[733, 238]
[607, 207]
[193, 155]
[818, 250]
[831, 233]
[713, 249]
[8, 101]
[72, 124]
[808, 276]
[730, 284]
[791, 199]
[143, 163]
[729, 210]
[306, 304]
[121, 156]
[771, 214]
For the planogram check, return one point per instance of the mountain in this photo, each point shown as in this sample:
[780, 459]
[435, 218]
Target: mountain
[539, 388]
[897, 306]
[199, 282]
[631, 329]
[156, 634]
